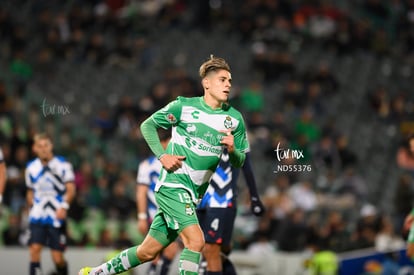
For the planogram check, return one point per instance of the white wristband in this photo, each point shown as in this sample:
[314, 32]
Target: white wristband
[64, 205]
[1, 198]
[142, 216]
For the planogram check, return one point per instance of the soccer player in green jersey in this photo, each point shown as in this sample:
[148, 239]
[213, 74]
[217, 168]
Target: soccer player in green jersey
[201, 128]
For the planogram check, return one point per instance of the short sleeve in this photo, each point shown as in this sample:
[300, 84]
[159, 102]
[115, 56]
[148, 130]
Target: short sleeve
[143, 174]
[68, 175]
[28, 179]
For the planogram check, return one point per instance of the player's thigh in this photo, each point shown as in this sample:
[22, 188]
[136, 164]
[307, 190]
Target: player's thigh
[161, 231]
[56, 238]
[193, 237]
[37, 234]
[217, 225]
[177, 208]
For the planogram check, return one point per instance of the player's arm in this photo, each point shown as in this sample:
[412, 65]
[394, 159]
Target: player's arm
[150, 134]
[29, 198]
[68, 178]
[255, 203]
[236, 157]
[69, 195]
[141, 197]
[3, 177]
[29, 190]
[61, 213]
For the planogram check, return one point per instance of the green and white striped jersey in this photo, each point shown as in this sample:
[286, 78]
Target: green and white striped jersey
[196, 134]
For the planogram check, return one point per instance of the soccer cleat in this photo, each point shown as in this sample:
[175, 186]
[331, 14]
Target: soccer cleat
[85, 271]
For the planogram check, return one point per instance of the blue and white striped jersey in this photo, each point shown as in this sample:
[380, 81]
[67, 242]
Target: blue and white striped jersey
[148, 173]
[49, 187]
[221, 192]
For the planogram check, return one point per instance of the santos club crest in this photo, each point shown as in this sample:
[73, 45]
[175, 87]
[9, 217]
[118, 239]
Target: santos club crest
[188, 210]
[228, 123]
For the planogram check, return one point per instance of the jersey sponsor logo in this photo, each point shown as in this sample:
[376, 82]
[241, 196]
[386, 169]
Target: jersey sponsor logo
[228, 123]
[202, 147]
[210, 149]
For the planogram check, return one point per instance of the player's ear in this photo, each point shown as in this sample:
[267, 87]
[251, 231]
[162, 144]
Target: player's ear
[205, 82]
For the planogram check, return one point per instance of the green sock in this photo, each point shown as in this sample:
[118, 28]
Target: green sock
[121, 262]
[189, 261]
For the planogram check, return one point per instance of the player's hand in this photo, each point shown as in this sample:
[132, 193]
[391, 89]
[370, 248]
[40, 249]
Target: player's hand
[61, 213]
[228, 140]
[256, 206]
[172, 162]
[143, 226]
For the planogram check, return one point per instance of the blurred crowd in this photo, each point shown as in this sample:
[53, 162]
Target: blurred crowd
[331, 207]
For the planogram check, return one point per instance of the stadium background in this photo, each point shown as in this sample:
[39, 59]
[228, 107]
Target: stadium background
[330, 78]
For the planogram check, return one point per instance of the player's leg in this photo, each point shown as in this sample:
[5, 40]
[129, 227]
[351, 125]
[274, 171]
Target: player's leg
[35, 249]
[153, 243]
[60, 263]
[180, 214]
[228, 267]
[193, 241]
[38, 236]
[152, 269]
[127, 259]
[212, 254]
[57, 244]
[166, 257]
[217, 225]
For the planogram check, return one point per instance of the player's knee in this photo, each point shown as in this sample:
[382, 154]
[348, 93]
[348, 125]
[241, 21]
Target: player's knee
[211, 250]
[35, 250]
[145, 255]
[196, 244]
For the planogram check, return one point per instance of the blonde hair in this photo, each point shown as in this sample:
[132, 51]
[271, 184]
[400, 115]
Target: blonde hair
[213, 64]
[40, 136]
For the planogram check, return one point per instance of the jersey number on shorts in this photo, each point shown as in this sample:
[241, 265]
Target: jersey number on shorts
[215, 224]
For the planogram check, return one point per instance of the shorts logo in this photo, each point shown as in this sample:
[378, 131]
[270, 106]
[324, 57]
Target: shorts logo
[228, 123]
[171, 118]
[188, 210]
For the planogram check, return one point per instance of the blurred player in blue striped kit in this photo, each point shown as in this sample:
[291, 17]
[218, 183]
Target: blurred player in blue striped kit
[50, 190]
[148, 173]
[217, 213]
